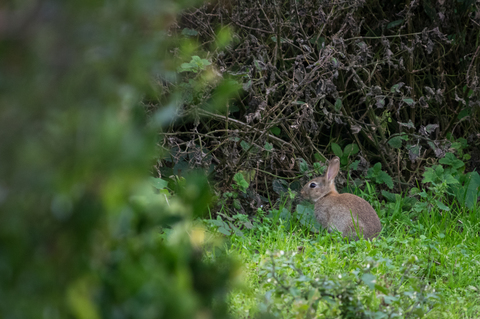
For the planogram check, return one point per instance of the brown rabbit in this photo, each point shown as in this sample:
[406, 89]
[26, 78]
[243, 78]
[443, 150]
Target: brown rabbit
[341, 211]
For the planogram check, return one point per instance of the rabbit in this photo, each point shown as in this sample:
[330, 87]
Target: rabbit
[335, 211]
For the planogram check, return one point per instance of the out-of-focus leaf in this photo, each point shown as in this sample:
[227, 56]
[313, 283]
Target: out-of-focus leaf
[395, 23]
[189, 32]
[408, 125]
[158, 183]
[244, 145]
[338, 105]
[369, 280]
[280, 186]
[409, 101]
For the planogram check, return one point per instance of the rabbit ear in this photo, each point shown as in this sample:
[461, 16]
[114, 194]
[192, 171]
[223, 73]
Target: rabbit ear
[333, 168]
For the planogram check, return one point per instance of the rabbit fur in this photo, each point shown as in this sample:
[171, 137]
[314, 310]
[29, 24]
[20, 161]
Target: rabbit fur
[334, 211]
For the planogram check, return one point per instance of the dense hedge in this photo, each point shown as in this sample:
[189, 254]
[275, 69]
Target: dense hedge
[399, 79]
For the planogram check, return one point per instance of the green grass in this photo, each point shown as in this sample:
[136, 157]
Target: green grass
[426, 264]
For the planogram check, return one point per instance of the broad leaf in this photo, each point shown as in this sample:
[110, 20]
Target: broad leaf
[280, 186]
[337, 150]
[395, 142]
[383, 177]
[303, 165]
[275, 130]
[451, 160]
[244, 145]
[351, 149]
[395, 23]
[338, 105]
[241, 182]
[442, 206]
[189, 32]
[389, 196]
[473, 189]
[409, 101]
[369, 280]
[158, 183]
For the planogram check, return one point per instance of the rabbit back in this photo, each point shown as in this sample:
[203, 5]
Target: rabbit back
[335, 212]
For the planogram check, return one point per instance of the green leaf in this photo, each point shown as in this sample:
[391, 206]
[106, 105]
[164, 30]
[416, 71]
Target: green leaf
[338, 105]
[389, 299]
[382, 289]
[369, 280]
[383, 177]
[408, 202]
[241, 182]
[473, 189]
[320, 42]
[224, 231]
[442, 206]
[395, 142]
[430, 128]
[303, 165]
[420, 207]
[408, 125]
[268, 147]
[334, 63]
[414, 191]
[377, 168]
[396, 88]
[452, 161]
[430, 176]
[248, 175]
[282, 40]
[354, 165]
[351, 149]
[187, 67]
[189, 32]
[280, 186]
[413, 151]
[223, 38]
[337, 150]
[275, 130]
[158, 183]
[237, 231]
[236, 204]
[244, 145]
[380, 102]
[449, 179]
[306, 216]
[389, 196]
[409, 101]
[395, 23]
[217, 222]
[430, 9]
[464, 113]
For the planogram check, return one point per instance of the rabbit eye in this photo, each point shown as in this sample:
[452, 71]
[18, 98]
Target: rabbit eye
[313, 185]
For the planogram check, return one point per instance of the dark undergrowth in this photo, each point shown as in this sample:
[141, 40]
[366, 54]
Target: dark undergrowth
[389, 85]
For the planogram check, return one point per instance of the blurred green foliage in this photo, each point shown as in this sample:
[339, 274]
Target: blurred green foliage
[81, 227]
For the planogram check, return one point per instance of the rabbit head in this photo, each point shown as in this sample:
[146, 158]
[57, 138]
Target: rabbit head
[321, 186]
